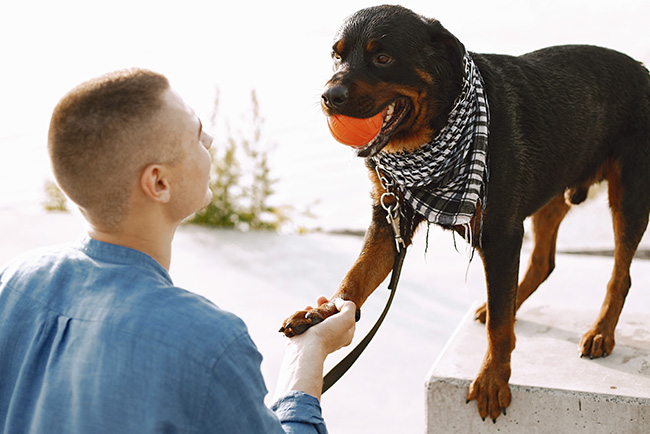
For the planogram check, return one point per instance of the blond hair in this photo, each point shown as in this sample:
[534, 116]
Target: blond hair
[103, 133]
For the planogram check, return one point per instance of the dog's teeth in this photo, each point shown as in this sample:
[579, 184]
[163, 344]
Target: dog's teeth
[389, 112]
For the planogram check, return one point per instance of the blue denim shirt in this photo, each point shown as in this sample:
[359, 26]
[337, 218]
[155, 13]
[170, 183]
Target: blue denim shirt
[94, 338]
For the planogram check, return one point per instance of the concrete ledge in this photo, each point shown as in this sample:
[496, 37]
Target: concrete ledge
[554, 390]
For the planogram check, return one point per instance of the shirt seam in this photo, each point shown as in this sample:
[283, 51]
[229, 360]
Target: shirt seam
[210, 380]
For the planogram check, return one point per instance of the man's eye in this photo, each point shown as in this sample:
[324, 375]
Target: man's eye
[383, 59]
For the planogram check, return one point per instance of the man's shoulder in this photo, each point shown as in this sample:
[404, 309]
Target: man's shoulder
[36, 258]
[131, 298]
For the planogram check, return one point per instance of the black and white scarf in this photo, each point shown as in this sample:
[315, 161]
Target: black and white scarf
[445, 179]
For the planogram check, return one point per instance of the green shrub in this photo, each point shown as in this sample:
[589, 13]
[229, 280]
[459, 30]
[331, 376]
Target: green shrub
[55, 200]
[241, 181]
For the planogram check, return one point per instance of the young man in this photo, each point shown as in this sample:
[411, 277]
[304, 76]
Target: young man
[94, 337]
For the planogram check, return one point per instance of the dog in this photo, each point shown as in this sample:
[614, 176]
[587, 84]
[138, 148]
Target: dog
[560, 120]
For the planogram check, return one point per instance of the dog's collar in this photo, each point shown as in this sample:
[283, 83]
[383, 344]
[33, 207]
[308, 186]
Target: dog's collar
[445, 179]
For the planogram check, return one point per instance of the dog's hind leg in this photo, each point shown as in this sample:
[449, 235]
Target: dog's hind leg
[630, 204]
[545, 227]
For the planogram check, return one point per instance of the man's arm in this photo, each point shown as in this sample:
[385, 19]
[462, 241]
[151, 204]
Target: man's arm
[301, 376]
[236, 389]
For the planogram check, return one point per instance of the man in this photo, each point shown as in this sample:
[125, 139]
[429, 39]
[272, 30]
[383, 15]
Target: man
[94, 337]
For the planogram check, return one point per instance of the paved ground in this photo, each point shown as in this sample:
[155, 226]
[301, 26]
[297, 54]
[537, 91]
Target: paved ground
[263, 277]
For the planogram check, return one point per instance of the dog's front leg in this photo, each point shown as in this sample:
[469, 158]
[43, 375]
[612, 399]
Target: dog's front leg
[370, 269]
[501, 260]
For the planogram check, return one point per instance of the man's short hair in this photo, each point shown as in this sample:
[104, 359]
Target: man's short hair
[103, 133]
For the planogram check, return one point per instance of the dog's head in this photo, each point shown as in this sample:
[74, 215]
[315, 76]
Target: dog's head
[390, 60]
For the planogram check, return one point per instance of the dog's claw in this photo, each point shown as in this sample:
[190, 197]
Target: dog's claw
[287, 330]
[504, 411]
[314, 319]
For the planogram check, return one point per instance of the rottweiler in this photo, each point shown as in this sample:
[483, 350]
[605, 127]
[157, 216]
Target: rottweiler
[560, 120]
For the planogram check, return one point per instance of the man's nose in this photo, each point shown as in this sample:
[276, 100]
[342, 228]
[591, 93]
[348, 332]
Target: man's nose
[206, 140]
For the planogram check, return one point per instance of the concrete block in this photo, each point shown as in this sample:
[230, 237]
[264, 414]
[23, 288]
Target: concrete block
[553, 389]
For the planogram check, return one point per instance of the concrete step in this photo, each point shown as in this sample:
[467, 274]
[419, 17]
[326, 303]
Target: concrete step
[553, 389]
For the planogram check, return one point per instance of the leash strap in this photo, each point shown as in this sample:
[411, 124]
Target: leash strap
[390, 202]
[342, 367]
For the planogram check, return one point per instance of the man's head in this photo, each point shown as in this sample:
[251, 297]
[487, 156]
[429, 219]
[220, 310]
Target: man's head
[107, 131]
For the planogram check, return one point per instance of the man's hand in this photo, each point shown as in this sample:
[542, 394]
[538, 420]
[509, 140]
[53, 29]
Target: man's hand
[302, 368]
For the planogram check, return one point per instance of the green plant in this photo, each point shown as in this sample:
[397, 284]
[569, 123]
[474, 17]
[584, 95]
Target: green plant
[241, 182]
[55, 200]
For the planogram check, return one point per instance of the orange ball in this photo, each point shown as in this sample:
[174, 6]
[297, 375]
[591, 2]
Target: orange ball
[354, 131]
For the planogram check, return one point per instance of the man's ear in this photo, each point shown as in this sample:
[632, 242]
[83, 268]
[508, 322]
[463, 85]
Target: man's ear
[154, 183]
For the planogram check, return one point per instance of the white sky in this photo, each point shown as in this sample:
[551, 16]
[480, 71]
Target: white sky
[280, 48]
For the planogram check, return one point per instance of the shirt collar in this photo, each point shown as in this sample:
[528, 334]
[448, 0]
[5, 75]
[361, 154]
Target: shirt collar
[117, 254]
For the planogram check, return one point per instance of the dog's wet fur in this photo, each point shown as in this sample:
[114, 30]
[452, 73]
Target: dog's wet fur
[562, 119]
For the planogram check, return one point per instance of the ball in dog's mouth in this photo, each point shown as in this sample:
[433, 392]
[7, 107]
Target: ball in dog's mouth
[368, 135]
[355, 132]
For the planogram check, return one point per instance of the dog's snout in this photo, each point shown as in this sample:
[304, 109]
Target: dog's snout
[335, 96]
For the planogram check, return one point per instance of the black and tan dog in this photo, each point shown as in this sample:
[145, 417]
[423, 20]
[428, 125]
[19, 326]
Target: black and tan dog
[561, 119]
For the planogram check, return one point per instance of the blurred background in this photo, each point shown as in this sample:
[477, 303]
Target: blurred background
[223, 51]
[279, 49]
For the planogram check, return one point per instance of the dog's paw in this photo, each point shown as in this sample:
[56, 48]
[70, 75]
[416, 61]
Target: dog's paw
[491, 391]
[596, 343]
[300, 321]
[481, 314]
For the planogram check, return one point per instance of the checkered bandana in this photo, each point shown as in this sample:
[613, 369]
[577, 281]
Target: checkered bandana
[446, 178]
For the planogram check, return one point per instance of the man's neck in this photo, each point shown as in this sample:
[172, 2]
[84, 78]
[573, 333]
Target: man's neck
[157, 245]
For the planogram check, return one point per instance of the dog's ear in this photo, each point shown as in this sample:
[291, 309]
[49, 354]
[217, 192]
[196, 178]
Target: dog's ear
[439, 35]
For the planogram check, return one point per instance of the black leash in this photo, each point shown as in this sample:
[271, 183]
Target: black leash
[342, 367]
[393, 218]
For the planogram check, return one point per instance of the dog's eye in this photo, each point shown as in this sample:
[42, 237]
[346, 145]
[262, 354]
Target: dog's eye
[383, 59]
[336, 56]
